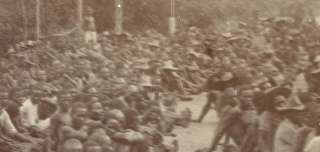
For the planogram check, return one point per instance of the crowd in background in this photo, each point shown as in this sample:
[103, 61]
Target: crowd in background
[120, 93]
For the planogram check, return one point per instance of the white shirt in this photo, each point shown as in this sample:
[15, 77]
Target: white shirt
[6, 124]
[30, 116]
[314, 145]
[29, 113]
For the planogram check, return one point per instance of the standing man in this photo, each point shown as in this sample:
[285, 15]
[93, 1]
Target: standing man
[289, 130]
[89, 27]
[270, 119]
[216, 85]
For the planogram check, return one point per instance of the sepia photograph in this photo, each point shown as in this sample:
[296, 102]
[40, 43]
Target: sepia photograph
[160, 76]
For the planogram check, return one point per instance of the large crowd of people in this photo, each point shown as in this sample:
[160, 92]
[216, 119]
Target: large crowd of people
[266, 91]
[120, 93]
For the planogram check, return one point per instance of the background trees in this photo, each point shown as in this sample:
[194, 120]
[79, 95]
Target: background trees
[17, 17]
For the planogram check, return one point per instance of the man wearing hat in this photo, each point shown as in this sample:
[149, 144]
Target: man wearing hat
[215, 86]
[289, 130]
[269, 119]
[169, 78]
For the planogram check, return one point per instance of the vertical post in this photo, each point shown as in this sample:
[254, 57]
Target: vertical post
[172, 19]
[25, 20]
[118, 17]
[80, 14]
[38, 20]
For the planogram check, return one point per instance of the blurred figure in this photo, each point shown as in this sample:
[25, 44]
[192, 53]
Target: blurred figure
[90, 35]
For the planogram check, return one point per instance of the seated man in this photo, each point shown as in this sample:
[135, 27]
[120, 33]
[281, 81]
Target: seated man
[66, 126]
[30, 114]
[13, 109]
[10, 138]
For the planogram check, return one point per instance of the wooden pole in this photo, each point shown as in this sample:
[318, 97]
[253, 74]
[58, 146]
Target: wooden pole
[118, 17]
[38, 20]
[80, 14]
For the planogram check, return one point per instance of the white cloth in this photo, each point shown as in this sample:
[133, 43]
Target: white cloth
[30, 116]
[300, 84]
[6, 124]
[286, 137]
[29, 113]
[90, 36]
[314, 145]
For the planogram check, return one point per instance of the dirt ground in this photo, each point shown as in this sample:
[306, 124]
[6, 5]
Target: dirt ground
[198, 135]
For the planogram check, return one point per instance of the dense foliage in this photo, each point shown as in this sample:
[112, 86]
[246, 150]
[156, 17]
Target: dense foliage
[17, 17]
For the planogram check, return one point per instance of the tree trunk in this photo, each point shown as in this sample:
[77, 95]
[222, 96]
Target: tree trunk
[25, 20]
[38, 20]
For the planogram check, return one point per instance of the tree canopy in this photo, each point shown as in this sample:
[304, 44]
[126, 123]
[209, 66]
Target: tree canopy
[17, 17]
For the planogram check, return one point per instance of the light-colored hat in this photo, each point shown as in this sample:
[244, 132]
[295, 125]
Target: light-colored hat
[192, 52]
[154, 43]
[30, 43]
[21, 44]
[195, 42]
[315, 71]
[120, 81]
[11, 50]
[133, 88]
[227, 35]
[146, 81]
[317, 59]
[227, 76]
[284, 20]
[169, 66]
[106, 33]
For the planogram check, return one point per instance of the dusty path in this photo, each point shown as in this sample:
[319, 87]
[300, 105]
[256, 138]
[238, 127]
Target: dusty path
[198, 135]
